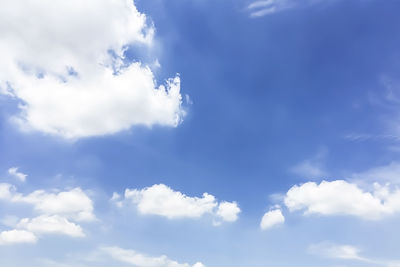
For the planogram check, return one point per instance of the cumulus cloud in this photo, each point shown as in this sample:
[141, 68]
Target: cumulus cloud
[140, 260]
[343, 198]
[16, 236]
[228, 211]
[74, 204]
[272, 218]
[58, 213]
[161, 200]
[53, 224]
[69, 73]
[16, 174]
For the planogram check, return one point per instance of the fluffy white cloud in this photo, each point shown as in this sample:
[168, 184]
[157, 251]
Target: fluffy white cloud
[69, 72]
[53, 224]
[228, 211]
[74, 204]
[272, 218]
[56, 209]
[137, 259]
[16, 236]
[343, 198]
[18, 175]
[161, 200]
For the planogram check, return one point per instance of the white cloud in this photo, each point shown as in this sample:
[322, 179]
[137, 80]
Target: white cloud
[386, 173]
[228, 211]
[16, 236]
[53, 224]
[6, 191]
[161, 200]
[272, 218]
[261, 8]
[69, 72]
[313, 168]
[140, 260]
[346, 252]
[267, 7]
[18, 175]
[74, 204]
[309, 169]
[343, 198]
[330, 250]
[55, 209]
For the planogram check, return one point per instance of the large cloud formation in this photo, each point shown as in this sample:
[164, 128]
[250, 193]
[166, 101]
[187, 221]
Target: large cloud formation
[64, 62]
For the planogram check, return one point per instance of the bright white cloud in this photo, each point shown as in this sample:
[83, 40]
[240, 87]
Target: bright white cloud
[228, 211]
[69, 72]
[16, 236]
[140, 260]
[18, 175]
[55, 209]
[271, 219]
[343, 198]
[74, 204]
[161, 200]
[53, 224]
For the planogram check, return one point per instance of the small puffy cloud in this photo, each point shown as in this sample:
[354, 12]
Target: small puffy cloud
[53, 224]
[16, 236]
[140, 260]
[16, 174]
[343, 198]
[228, 211]
[271, 219]
[161, 200]
[70, 75]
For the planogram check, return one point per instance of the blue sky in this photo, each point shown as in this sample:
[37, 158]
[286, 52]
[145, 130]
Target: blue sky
[170, 133]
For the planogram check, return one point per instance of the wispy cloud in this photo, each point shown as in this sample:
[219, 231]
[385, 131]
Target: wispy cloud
[313, 168]
[346, 252]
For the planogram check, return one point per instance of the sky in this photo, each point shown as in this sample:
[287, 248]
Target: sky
[199, 133]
